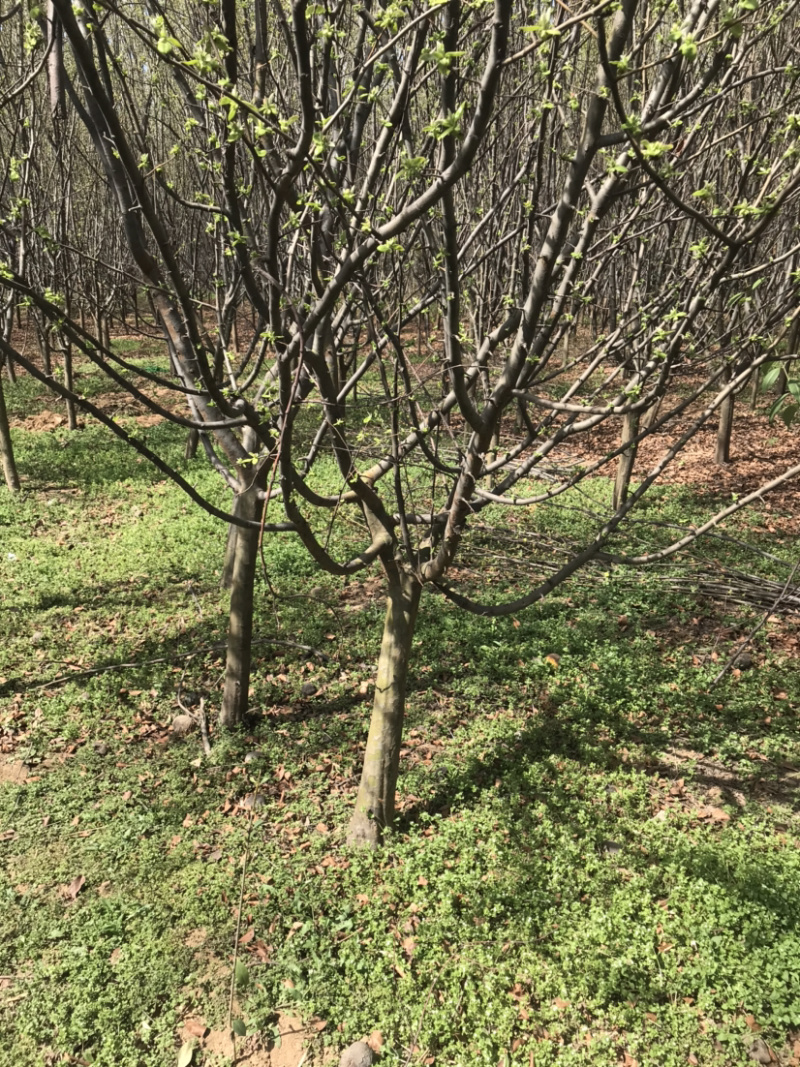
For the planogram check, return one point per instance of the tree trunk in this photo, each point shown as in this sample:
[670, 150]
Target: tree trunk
[722, 453]
[44, 348]
[630, 427]
[240, 624]
[226, 578]
[375, 803]
[6, 450]
[72, 414]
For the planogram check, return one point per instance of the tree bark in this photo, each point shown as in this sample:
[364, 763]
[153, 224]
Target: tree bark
[226, 578]
[375, 802]
[630, 427]
[192, 441]
[240, 624]
[6, 450]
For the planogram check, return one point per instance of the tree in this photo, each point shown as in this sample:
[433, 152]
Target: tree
[420, 205]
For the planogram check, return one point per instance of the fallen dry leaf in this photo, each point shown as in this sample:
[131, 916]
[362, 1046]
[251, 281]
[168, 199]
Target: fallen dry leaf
[195, 1028]
[707, 811]
[74, 887]
[409, 946]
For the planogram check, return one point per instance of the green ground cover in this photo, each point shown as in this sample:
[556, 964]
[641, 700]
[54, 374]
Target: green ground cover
[596, 861]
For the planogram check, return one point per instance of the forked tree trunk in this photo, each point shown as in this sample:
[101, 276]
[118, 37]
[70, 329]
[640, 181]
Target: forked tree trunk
[6, 450]
[375, 803]
[630, 427]
[240, 624]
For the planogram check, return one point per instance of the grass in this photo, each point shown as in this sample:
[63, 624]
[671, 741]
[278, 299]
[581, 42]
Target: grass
[594, 863]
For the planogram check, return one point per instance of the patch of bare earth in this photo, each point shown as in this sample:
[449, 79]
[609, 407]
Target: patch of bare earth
[15, 773]
[45, 420]
[296, 1044]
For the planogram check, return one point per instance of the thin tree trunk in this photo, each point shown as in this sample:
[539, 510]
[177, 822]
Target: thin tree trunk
[650, 416]
[630, 427]
[72, 415]
[240, 624]
[375, 803]
[192, 441]
[235, 332]
[6, 450]
[722, 453]
[44, 347]
[8, 326]
[782, 383]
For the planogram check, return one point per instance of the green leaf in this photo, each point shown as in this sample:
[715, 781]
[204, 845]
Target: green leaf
[654, 149]
[771, 375]
[238, 1027]
[242, 975]
[689, 47]
[186, 1054]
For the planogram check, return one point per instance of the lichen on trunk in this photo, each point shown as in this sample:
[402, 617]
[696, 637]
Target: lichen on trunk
[374, 810]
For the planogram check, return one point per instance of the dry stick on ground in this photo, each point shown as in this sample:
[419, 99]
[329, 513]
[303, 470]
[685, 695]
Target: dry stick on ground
[245, 860]
[746, 641]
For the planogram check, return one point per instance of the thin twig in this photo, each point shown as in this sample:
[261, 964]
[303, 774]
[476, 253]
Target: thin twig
[203, 723]
[413, 1046]
[245, 861]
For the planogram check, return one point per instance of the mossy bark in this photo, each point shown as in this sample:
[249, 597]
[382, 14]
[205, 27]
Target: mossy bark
[375, 802]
